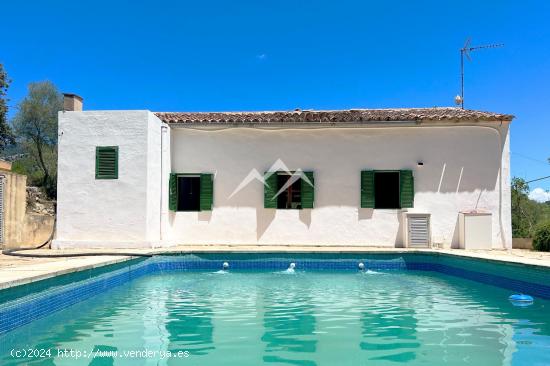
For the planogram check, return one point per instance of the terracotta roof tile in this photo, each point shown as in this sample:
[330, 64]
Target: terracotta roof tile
[346, 116]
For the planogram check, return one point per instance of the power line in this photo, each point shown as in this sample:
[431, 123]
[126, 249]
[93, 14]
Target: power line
[532, 159]
[534, 180]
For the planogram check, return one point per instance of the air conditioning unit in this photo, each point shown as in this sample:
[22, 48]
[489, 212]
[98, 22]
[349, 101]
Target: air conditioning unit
[417, 232]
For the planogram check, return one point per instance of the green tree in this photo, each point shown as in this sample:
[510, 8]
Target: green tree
[6, 134]
[526, 213]
[36, 126]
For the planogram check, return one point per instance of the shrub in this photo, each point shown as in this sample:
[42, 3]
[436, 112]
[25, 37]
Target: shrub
[541, 239]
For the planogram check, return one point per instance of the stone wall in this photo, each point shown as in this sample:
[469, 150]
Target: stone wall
[14, 207]
[37, 229]
[23, 228]
[38, 202]
[522, 243]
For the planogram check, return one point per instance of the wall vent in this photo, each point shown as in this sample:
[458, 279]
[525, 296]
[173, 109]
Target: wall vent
[418, 226]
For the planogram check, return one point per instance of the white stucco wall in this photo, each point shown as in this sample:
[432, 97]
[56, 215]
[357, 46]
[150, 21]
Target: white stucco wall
[460, 172]
[123, 212]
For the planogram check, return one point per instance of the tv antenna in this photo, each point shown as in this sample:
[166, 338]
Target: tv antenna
[465, 51]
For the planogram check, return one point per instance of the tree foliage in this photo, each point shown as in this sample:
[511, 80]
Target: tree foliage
[526, 213]
[6, 134]
[36, 126]
[541, 239]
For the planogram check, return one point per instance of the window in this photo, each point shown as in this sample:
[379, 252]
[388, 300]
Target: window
[191, 192]
[106, 162]
[387, 189]
[286, 190]
[291, 194]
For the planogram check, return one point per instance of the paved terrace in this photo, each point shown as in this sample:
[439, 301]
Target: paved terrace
[16, 271]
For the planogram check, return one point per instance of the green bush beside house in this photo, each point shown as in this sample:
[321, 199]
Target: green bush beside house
[541, 239]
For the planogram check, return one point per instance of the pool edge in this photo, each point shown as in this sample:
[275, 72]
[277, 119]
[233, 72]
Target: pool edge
[42, 271]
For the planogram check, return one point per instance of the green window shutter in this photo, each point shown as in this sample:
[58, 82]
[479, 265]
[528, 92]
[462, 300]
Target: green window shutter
[207, 192]
[367, 189]
[106, 162]
[173, 192]
[308, 190]
[406, 188]
[270, 190]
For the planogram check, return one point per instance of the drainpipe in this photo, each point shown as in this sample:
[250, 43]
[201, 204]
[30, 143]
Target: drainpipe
[164, 174]
[2, 211]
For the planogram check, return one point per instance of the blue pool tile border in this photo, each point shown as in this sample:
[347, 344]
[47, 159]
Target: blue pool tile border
[534, 289]
[23, 304]
[31, 306]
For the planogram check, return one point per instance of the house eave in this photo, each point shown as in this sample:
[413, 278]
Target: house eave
[329, 125]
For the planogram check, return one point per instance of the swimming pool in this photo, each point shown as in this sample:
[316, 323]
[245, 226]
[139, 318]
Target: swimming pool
[404, 308]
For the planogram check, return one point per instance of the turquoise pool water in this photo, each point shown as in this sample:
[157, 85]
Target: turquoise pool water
[323, 318]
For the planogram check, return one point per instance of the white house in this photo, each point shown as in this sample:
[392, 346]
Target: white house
[368, 177]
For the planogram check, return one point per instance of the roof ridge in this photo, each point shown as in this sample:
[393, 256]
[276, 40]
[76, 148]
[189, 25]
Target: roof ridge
[321, 110]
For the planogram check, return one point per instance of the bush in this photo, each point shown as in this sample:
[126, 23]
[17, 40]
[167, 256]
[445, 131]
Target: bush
[541, 239]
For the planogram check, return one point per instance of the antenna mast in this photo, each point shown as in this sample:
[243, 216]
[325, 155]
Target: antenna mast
[465, 51]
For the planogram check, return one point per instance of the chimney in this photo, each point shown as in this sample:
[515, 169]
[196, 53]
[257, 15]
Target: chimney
[72, 102]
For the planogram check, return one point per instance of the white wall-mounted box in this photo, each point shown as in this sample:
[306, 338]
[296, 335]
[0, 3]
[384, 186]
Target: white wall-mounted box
[475, 230]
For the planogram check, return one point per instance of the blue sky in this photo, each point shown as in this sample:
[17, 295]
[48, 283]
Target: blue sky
[269, 55]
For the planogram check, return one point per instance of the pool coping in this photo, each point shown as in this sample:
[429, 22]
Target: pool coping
[22, 275]
[496, 255]
[17, 275]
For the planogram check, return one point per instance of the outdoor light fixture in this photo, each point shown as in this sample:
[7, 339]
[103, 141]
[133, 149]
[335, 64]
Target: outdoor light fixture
[420, 163]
